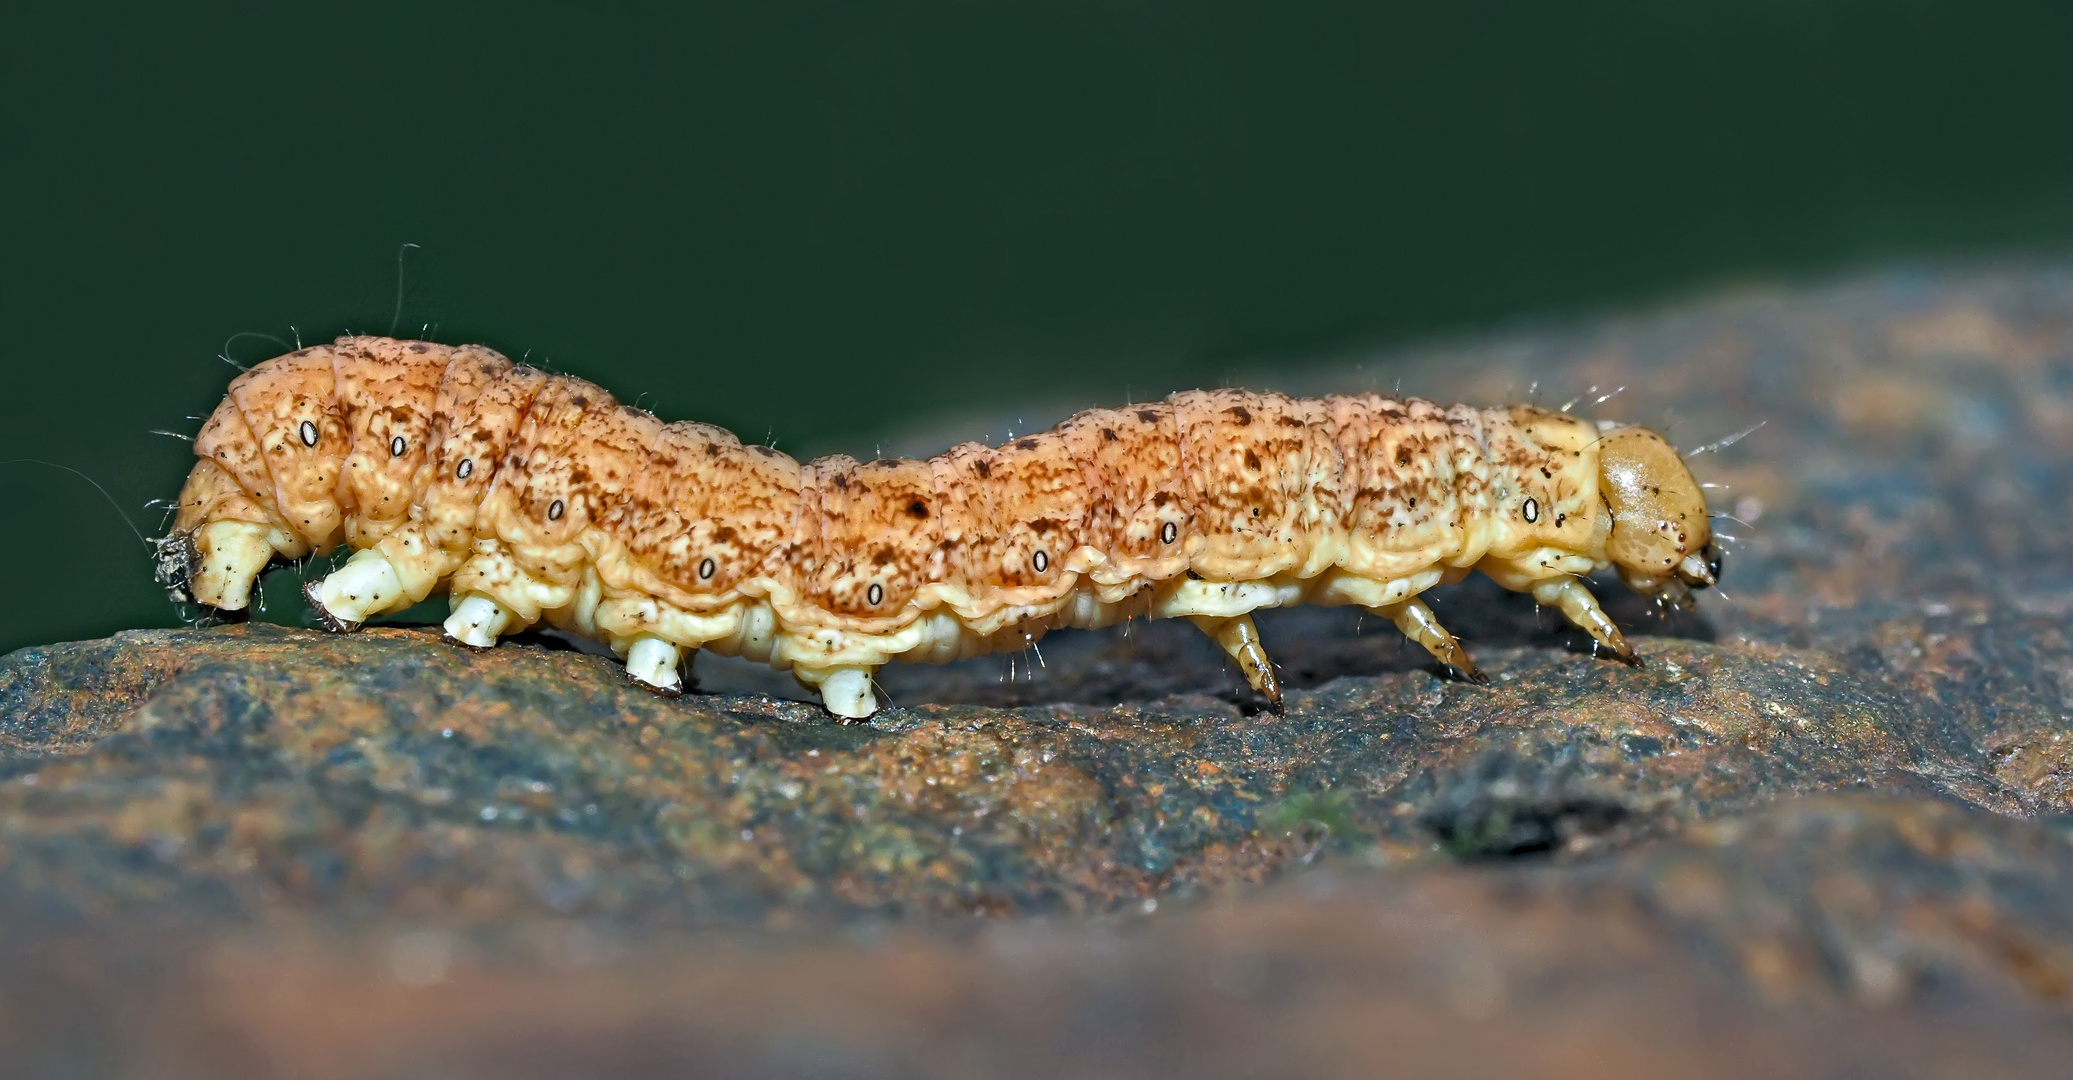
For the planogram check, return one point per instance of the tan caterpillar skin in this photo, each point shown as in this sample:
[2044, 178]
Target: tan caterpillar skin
[533, 497]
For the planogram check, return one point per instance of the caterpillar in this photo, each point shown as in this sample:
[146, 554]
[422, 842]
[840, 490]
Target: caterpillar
[530, 498]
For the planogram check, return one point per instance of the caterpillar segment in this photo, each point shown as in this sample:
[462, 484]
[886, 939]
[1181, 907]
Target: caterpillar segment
[539, 499]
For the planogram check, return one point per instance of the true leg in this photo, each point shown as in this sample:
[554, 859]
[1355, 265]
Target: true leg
[1580, 607]
[1240, 640]
[1420, 625]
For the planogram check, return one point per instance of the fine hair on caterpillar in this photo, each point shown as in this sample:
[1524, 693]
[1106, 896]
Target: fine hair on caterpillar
[532, 498]
[97, 486]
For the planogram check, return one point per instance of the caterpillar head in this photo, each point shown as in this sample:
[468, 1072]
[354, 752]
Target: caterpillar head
[1662, 536]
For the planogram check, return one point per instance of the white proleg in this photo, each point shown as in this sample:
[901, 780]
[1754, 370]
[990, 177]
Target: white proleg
[478, 620]
[846, 691]
[230, 556]
[366, 585]
[655, 663]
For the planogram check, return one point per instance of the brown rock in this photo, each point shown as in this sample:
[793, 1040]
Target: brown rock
[1825, 828]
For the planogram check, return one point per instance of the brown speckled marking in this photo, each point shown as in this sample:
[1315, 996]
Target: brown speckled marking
[543, 498]
[1261, 478]
[276, 398]
[1140, 488]
[482, 400]
[865, 533]
[1033, 499]
[385, 393]
[709, 497]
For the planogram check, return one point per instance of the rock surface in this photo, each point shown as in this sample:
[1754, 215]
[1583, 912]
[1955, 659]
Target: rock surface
[1828, 830]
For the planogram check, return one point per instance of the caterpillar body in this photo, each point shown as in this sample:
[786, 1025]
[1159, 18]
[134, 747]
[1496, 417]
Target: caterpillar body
[531, 497]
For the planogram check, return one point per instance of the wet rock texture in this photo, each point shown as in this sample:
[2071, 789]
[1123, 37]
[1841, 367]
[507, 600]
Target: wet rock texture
[1827, 830]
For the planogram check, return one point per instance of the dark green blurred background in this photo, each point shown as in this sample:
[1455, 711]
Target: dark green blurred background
[829, 223]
